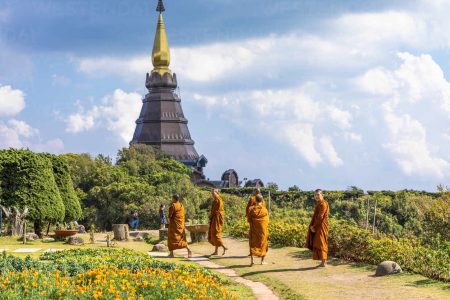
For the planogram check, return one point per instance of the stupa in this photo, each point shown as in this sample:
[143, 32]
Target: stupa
[162, 122]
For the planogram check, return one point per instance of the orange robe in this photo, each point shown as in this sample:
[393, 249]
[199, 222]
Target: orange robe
[216, 217]
[251, 202]
[177, 235]
[317, 241]
[259, 234]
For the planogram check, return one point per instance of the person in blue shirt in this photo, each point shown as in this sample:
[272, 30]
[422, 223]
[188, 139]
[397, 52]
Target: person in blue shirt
[134, 223]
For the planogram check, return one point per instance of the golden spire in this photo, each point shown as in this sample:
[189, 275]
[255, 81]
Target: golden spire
[161, 51]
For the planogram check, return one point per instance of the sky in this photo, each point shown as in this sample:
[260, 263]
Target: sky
[319, 94]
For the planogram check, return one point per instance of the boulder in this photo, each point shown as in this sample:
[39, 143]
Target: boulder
[81, 229]
[139, 238]
[160, 248]
[142, 234]
[387, 268]
[163, 234]
[75, 240]
[30, 237]
[48, 240]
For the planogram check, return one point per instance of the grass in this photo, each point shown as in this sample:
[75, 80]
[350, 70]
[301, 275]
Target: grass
[292, 274]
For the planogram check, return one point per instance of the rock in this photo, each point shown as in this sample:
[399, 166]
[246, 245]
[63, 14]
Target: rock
[163, 234]
[30, 237]
[143, 234]
[387, 268]
[75, 240]
[139, 238]
[160, 248]
[81, 229]
[48, 240]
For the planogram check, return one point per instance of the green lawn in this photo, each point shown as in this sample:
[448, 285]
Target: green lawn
[292, 274]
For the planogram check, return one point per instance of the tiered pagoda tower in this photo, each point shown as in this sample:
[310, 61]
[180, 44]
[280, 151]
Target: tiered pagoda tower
[161, 122]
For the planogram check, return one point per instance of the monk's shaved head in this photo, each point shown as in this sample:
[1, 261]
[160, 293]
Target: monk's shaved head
[256, 191]
[259, 198]
[318, 195]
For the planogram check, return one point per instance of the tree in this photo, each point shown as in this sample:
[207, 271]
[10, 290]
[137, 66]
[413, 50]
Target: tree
[294, 188]
[27, 180]
[65, 185]
[272, 186]
[81, 167]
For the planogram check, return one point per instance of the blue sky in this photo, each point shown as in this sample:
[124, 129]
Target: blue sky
[323, 94]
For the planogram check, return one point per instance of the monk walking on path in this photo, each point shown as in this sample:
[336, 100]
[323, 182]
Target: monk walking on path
[252, 202]
[216, 218]
[317, 239]
[177, 235]
[259, 233]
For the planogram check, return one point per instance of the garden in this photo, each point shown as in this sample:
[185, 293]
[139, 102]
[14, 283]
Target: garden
[41, 193]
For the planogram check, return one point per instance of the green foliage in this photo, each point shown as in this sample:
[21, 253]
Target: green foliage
[142, 179]
[81, 168]
[65, 185]
[349, 242]
[27, 180]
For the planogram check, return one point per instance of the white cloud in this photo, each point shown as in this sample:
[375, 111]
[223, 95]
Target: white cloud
[60, 80]
[409, 146]
[117, 114]
[302, 139]
[350, 41]
[134, 67]
[351, 136]
[416, 89]
[80, 122]
[293, 113]
[12, 101]
[9, 138]
[55, 146]
[329, 151]
[22, 128]
[19, 134]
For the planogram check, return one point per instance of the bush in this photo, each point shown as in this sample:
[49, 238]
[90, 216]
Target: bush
[27, 180]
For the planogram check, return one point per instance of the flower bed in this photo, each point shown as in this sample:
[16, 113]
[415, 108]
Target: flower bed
[105, 274]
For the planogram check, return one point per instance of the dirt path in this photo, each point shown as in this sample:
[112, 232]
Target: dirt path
[260, 290]
[293, 275]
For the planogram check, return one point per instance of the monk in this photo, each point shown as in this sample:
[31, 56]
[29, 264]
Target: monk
[216, 218]
[317, 238]
[251, 202]
[177, 235]
[259, 234]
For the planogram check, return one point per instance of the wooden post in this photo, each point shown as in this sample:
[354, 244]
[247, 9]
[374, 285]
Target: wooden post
[367, 213]
[24, 232]
[374, 216]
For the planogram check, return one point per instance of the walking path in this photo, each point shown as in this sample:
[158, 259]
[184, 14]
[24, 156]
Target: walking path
[261, 291]
[292, 273]
[26, 250]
